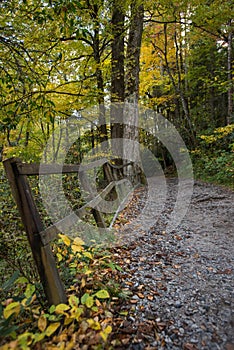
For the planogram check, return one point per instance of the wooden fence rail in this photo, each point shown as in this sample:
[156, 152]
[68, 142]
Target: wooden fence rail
[40, 237]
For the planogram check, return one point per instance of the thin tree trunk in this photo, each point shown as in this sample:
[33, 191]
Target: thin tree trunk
[230, 90]
[178, 88]
[102, 129]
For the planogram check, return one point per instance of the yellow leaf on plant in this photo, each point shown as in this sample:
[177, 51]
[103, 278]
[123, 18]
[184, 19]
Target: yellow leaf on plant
[38, 337]
[102, 294]
[83, 282]
[22, 280]
[12, 308]
[94, 324]
[89, 302]
[25, 338]
[84, 298]
[42, 323]
[104, 334]
[30, 289]
[76, 248]
[123, 313]
[66, 240]
[59, 256]
[25, 302]
[76, 312]
[73, 300]
[52, 328]
[88, 255]
[70, 345]
[78, 241]
[73, 265]
[68, 320]
[61, 308]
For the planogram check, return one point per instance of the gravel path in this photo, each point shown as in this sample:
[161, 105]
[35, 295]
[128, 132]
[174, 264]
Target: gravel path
[181, 284]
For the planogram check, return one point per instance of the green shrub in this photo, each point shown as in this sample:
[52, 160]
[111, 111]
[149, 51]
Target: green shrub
[214, 158]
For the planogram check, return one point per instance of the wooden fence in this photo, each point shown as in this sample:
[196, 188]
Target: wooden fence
[40, 237]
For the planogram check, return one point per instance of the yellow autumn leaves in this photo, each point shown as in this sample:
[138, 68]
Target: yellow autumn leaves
[12, 308]
[62, 326]
[76, 244]
[59, 319]
[218, 134]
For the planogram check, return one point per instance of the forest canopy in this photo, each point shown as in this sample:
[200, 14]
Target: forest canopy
[62, 56]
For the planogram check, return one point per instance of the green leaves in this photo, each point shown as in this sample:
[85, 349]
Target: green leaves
[73, 301]
[87, 300]
[9, 283]
[102, 294]
[61, 308]
[214, 157]
[29, 290]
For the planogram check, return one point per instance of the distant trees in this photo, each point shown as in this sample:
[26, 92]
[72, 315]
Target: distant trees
[186, 72]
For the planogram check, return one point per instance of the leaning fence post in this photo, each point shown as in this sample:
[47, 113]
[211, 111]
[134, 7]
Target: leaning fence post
[44, 259]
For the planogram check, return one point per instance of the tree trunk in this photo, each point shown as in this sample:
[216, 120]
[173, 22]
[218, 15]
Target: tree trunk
[131, 132]
[133, 52]
[178, 87]
[230, 90]
[117, 79]
[102, 129]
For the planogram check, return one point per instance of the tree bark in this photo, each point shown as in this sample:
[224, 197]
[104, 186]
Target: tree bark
[131, 112]
[133, 51]
[178, 87]
[117, 78]
[230, 89]
[102, 129]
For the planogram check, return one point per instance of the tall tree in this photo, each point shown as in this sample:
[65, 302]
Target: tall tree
[184, 73]
[230, 117]
[117, 78]
[131, 127]
[133, 51]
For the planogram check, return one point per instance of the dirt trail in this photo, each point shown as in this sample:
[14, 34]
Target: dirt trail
[181, 283]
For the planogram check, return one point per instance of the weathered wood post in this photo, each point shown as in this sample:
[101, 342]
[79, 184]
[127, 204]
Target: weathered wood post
[42, 254]
[86, 187]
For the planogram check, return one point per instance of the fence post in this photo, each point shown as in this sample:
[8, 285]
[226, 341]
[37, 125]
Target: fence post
[87, 188]
[44, 259]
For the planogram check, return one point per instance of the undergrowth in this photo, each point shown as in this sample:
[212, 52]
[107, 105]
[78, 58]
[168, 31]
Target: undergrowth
[214, 157]
[90, 277]
[26, 322]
